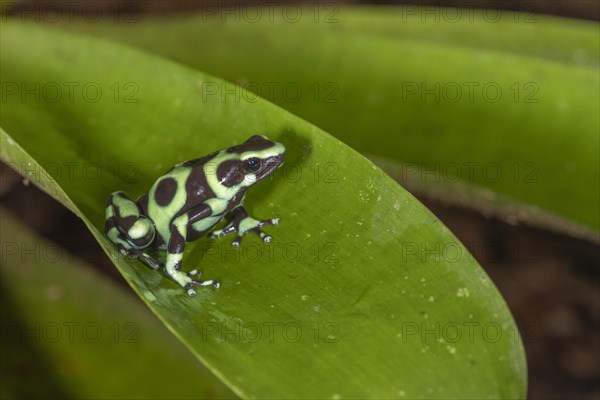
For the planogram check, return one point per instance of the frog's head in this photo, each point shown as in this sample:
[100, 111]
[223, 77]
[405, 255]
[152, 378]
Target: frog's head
[251, 161]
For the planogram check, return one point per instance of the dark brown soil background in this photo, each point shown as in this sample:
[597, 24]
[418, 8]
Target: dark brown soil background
[550, 282]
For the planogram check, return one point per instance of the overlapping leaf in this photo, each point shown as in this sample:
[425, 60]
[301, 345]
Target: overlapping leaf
[82, 336]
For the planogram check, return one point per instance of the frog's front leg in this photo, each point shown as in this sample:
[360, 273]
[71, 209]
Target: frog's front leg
[242, 223]
[128, 229]
[176, 246]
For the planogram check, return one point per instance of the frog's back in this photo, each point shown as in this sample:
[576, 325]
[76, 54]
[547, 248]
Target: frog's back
[175, 193]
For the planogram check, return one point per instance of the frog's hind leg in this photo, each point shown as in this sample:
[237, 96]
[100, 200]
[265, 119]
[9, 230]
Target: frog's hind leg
[130, 231]
[179, 228]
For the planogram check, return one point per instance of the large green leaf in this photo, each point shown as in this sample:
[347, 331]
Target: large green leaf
[526, 33]
[364, 293]
[500, 115]
[80, 336]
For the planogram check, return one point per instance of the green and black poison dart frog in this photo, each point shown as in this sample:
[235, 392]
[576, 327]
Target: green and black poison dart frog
[188, 201]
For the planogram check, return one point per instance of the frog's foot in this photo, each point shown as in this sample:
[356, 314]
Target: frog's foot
[243, 226]
[131, 252]
[186, 279]
[189, 287]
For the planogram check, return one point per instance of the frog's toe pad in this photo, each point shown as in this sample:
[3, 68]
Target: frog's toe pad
[266, 238]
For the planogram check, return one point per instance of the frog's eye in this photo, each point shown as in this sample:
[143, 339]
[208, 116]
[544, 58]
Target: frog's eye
[252, 164]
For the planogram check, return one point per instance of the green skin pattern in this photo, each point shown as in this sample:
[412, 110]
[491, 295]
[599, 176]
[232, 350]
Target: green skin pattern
[188, 201]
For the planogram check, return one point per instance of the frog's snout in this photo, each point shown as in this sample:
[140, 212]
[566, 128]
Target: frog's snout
[279, 158]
